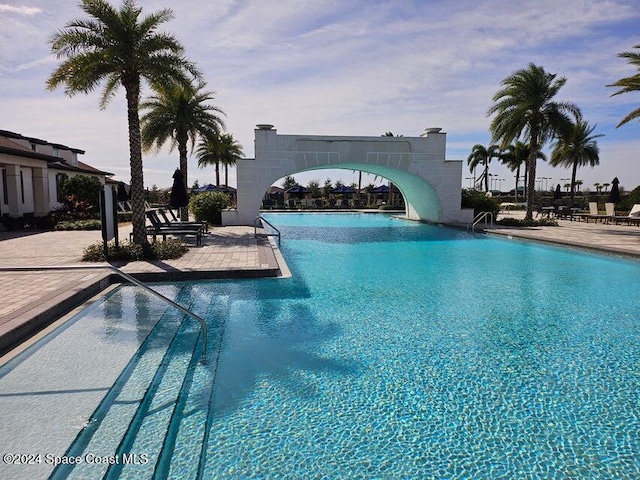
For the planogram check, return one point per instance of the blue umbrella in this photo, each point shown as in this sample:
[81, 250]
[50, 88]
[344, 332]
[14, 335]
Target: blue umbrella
[298, 190]
[381, 189]
[206, 188]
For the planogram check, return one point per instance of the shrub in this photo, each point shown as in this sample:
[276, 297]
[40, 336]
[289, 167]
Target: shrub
[79, 225]
[627, 202]
[479, 202]
[207, 206]
[82, 194]
[517, 222]
[127, 251]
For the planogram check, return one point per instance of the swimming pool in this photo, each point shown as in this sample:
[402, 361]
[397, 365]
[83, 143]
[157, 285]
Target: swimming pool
[396, 350]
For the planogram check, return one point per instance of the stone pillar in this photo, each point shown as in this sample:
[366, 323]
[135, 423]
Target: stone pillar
[14, 190]
[40, 192]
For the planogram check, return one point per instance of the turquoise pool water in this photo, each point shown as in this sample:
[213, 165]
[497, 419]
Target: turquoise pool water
[396, 350]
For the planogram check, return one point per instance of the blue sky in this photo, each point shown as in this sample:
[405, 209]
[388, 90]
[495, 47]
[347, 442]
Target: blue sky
[343, 67]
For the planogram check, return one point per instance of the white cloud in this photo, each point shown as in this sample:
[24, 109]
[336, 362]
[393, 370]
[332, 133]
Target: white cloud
[22, 10]
[344, 67]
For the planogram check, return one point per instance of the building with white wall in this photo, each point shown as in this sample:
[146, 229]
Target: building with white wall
[32, 171]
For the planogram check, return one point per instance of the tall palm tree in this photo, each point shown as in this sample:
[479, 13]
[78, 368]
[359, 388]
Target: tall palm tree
[629, 84]
[117, 47]
[180, 115]
[481, 155]
[524, 107]
[514, 157]
[216, 150]
[577, 147]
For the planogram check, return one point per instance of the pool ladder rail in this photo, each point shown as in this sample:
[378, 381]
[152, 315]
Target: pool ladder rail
[479, 218]
[266, 234]
[129, 278]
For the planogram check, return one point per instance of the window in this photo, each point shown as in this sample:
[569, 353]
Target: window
[22, 185]
[5, 194]
[60, 178]
[56, 152]
[33, 147]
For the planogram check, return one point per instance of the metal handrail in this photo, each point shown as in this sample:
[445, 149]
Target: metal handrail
[126, 276]
[478, 218]
[255, 228]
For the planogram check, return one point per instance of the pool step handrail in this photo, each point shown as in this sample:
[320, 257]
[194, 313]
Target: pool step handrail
[129, 278]
[266, 234]
[479, 218]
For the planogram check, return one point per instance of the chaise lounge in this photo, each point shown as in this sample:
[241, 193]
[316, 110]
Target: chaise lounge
[157, 228]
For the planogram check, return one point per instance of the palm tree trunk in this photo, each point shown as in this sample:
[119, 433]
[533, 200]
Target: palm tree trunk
[359, 185]
[573, 181]
[182, 151]
[217, 173]
[517, 182]
[486, 177]
[531, 175]
[132, 88]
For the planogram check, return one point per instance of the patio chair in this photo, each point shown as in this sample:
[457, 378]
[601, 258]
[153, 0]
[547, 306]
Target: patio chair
[632, 218]
[593, 213]
[179, 223]
[157, 228]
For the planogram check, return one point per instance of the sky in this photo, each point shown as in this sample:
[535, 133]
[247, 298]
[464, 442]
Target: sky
[344, 67]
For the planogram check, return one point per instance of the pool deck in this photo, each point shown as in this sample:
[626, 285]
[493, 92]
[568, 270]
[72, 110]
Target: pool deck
[595, 236]
[32, 300]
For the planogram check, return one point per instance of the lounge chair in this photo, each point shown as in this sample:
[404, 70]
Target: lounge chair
[632, 218]
[157, 228]
[165, 221]
[593, 213]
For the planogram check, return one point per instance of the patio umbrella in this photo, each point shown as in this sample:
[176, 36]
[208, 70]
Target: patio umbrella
[557, 195]
[614, 194]
[206, 188]
[381, 189]
[178, 197]
[122, 194]
[298, 190]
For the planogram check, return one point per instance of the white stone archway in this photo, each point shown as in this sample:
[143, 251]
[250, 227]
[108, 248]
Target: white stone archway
[430, 184]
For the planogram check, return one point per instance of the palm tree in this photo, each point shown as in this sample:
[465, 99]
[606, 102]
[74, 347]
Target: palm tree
[481, 155]
[218, 149]
[576, 147]
[231, 153]
[524, 106]
[179, 115]
[629, 84]
[514, 156]
[117, 47]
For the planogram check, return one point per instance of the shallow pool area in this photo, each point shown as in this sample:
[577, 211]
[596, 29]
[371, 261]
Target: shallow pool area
[395, 350]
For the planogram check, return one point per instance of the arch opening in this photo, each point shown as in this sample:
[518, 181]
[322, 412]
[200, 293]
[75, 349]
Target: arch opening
[429, 184]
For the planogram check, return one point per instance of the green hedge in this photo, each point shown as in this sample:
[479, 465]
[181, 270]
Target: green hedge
[207, 206]
[79, 225]
[128, 251]
[479, 202]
